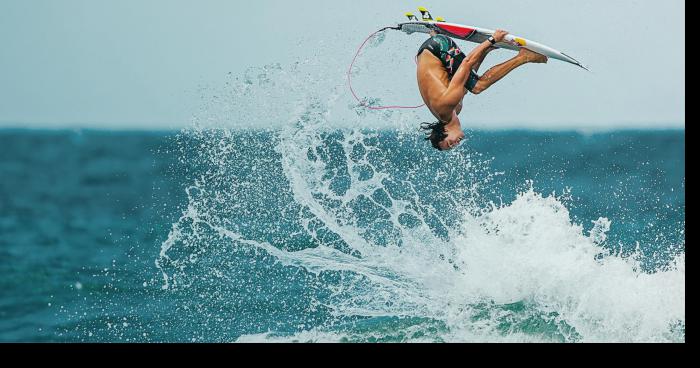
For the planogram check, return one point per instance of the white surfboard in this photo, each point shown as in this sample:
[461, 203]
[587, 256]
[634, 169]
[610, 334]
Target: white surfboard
[479, 35]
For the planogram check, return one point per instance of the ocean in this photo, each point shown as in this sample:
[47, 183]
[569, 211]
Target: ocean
[311, 234]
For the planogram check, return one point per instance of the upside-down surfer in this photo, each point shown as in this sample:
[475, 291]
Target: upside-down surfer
[445, 75]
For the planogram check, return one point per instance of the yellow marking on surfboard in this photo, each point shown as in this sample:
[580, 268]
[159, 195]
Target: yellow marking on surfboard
[520, 41]
[440, 19]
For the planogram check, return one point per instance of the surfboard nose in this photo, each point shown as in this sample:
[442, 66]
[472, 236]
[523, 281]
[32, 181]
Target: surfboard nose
[573, 61]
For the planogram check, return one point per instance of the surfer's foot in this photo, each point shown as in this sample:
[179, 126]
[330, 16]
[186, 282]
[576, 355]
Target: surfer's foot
[533, 57]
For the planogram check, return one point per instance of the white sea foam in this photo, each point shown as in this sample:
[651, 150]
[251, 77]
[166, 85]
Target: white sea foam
[518, 271]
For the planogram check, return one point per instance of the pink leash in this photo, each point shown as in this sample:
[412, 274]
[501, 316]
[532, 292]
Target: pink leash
[362, 103]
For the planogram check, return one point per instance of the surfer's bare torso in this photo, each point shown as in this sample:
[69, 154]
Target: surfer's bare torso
[433, 82]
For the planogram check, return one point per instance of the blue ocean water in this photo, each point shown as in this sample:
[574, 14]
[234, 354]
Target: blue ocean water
[350, 235]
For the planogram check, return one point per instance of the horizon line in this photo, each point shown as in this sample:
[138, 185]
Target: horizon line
[479, 128]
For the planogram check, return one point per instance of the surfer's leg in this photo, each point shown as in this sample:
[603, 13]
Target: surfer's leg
[496, 73]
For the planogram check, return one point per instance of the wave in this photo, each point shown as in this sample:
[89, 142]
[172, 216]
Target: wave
[357, 235]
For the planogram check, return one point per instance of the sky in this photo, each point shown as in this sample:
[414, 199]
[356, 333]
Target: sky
[138, 64]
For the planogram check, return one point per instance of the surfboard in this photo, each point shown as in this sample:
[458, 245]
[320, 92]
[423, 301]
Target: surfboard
[478, 35]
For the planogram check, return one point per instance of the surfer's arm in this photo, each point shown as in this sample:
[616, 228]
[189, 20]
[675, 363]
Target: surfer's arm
[454, 93]
[452, 98]
[479, 53]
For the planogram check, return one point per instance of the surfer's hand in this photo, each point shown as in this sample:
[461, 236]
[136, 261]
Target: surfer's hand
[500, 35]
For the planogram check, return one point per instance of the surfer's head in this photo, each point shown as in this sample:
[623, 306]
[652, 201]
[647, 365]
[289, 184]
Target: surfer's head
[443, 136]
[435, 133]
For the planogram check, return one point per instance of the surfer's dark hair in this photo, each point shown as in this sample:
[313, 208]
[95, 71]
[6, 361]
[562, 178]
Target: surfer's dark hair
[435, 133]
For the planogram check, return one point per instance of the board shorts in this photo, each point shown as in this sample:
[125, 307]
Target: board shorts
[445, 49]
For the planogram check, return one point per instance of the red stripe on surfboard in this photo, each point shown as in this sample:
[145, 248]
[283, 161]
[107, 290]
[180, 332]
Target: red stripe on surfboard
[456, 30]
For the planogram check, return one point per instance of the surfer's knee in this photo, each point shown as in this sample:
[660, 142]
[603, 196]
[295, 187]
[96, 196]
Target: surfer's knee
[479, 87]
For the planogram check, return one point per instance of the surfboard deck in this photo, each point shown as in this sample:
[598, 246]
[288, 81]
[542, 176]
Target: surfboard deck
[478, 35]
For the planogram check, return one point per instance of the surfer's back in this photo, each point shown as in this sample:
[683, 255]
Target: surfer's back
[433, 80]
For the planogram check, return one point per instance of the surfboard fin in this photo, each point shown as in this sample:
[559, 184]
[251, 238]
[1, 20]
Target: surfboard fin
[440, 19]
[426, 14]
[412, 17]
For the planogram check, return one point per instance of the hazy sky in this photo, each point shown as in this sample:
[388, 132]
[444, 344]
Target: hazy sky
[139, 63]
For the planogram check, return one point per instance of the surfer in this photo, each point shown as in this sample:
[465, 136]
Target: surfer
[445, 75]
